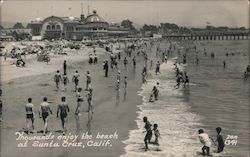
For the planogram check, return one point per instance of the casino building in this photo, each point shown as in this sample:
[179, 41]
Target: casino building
[73, 28]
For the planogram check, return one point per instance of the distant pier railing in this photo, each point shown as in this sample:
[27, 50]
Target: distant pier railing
[210, 36]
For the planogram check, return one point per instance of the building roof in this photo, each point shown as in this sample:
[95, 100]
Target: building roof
[94, 18]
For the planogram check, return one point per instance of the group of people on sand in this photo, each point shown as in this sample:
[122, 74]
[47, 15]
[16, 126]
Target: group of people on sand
[44, 113]
[63, 109]
[206, 140]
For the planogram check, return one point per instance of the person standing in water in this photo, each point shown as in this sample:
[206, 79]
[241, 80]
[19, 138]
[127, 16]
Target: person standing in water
[224, 64]
[29, 107]
[44, 112]
[148, 131]
[220, 140]
[156, 133]
[205, 140]
[63, 108]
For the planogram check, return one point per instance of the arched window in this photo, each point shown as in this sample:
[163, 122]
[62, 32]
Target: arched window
[48, 27]
[53, 27]
[58, 27]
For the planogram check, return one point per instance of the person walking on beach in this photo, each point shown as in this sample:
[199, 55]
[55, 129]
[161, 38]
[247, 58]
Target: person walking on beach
[75, 79]
[57, 78]
[220, 140]
[95, 58]
[118, 76]
[106, 68]
[44, 112]
[79, 100]
[88, 81]
[205, 140]
[89, 100]
[157, 70]
[117, 92]
[148, 131]
[134, 62]
[125, 63]
[125, 84]
[186, 80]
[65, 67]
[65, 82]
[29, 107]
[63, 108]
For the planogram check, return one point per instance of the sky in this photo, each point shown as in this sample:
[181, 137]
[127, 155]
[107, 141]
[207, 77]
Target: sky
[190, 13]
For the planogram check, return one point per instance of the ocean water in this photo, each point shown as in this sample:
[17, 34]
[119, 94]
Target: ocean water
[217, 96]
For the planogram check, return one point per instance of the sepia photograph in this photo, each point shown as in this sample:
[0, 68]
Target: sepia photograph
[124, 78]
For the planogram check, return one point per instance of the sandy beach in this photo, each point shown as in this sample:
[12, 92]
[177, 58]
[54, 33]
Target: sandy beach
[37, 82]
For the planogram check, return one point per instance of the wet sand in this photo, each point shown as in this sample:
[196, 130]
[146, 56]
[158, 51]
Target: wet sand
[108, 117]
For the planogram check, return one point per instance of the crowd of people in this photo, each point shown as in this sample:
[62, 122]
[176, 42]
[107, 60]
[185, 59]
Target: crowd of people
[117, 65]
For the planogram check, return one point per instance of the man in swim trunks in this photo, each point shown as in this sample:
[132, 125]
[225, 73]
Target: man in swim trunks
[79, 100]
[63, 108]
[29, 107]
[57, 79]
[75, 79]
[88, 81]
[44, 111]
